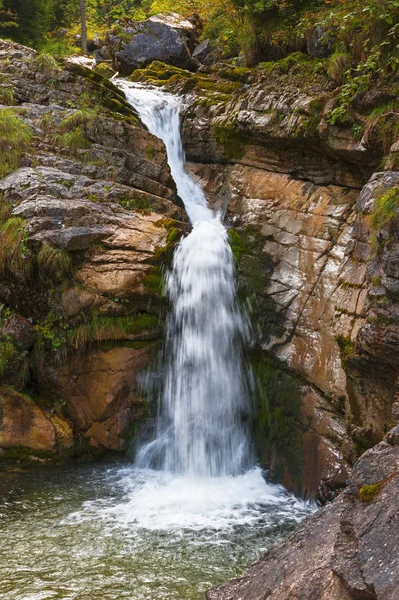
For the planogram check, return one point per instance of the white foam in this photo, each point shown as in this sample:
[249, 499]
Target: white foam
[159, 501]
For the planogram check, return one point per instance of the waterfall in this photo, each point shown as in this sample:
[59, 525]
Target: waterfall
[204, 400]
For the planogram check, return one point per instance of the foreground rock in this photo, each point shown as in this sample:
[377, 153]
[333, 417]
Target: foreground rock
[347, 550]
[167, 38]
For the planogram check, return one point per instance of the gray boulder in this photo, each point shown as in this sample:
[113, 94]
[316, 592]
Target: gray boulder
[320, 43]
[164, 38]
[348, 550]
[203, 52]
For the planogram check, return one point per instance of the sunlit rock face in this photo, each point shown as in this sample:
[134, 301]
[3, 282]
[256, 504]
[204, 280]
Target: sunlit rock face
[102, 206]
[293, 188]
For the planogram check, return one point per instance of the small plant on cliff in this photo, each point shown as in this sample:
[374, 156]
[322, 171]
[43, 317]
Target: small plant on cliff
[15, 256]
[369, 492]
[7, 353]
[74, 128]
[54, 262]
[15, 138]
[385, 209]
[6, 95]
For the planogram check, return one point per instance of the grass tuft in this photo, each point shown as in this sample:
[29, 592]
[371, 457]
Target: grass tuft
[337, 66]
[54, 262]
[110, 328]
[7, 95]
[15, 138]
[47, 64]
[15, 256]
[385, 209]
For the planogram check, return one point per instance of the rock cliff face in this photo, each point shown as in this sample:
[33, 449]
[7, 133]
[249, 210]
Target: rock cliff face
[88, 217]
[295, 191]
[90, 202]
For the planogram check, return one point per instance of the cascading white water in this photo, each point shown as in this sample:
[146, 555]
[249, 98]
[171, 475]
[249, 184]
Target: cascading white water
[204, 399]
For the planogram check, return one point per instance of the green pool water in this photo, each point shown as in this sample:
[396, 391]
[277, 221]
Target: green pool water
[113, 533]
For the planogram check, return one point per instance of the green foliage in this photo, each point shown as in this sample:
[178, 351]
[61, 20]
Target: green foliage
[368, 493]
[7, 95]
[8, 352]
[54, 262]
[47, 64]
[380, 60]
[15, 256]
[51, 333]
[100, 328]
[385, 209]
[15, 138]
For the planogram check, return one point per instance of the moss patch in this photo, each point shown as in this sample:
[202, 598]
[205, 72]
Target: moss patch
[277, 426]
[368, 493]
[386, 209]
[233, 143]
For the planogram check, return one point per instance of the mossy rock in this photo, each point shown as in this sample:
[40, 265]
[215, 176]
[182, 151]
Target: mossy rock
[105, 69]
[233, 143]
[161, 75]
[277, 428]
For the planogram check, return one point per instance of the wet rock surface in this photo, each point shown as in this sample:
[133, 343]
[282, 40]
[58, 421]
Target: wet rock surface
[347, 550]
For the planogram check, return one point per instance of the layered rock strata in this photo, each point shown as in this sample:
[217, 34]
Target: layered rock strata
[87, 221]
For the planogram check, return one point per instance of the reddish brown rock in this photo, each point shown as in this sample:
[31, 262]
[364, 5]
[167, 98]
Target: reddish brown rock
[22, 424]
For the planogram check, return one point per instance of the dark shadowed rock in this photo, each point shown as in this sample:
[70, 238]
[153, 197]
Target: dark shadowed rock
[163, 38]
[320, 43]
[21, 331]
[203, 52]
[347, 550]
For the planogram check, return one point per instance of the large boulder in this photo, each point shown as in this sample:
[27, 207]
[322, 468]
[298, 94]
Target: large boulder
[168, 39]
[348, 550]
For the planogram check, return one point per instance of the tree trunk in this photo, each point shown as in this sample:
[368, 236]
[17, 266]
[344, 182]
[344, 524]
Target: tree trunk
[84, 26]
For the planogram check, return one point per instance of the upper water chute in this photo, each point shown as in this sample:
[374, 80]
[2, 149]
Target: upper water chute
[204, 402]
[160, 112]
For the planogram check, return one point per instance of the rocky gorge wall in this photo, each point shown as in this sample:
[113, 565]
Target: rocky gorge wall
[301, 197]
[91, 206]
[88, 219]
